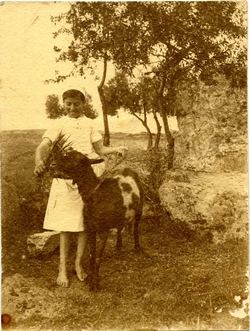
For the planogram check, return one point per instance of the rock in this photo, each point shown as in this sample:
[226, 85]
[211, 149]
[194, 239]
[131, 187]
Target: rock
[23, 299]
[208, 188]
[148, 210]
[212, 123]
[42, 243]
[208, 203]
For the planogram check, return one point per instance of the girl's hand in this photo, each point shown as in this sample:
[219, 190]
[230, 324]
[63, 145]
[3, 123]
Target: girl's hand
[40, 168]
[121, 151]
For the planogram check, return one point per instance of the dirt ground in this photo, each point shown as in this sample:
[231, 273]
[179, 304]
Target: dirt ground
[178, 282]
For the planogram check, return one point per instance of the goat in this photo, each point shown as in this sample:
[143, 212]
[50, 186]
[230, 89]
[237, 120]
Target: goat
[108, 203]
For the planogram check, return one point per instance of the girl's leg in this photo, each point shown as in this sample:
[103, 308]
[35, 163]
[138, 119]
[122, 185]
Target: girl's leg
[81, 245]
[62, 279]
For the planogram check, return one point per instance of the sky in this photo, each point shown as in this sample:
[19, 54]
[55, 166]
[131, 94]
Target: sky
[27, 59]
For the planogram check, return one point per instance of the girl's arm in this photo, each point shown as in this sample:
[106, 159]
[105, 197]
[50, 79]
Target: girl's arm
[103, 150]
[42, 153]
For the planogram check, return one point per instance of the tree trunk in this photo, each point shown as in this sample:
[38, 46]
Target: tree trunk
[158, 135]
[150, 136]
[169, 137]
[106, 141]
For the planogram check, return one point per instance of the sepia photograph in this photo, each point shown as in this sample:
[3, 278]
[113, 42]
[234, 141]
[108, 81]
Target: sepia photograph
[124, 165]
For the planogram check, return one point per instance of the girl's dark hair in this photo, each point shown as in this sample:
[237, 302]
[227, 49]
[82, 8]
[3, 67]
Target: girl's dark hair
[73, 94]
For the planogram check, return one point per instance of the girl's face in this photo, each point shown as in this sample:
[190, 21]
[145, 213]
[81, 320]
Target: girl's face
[73, 107]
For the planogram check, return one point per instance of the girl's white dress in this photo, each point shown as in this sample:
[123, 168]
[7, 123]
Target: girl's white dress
[65, 206]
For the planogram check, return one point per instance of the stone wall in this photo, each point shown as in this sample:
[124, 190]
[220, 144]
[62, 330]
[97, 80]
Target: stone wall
[212, 133]
[208, 187]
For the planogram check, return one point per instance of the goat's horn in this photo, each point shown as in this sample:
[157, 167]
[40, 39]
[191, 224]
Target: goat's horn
[95, 161]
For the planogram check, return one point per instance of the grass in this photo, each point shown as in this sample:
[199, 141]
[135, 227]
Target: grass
[179, 282]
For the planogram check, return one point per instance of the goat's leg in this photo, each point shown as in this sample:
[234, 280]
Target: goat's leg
[119, 240]
[136, 232]
[103, 236]
[92, 279]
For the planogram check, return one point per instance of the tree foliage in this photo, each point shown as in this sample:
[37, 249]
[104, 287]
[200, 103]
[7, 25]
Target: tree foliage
[171, 39]
[195, 39]
[88, 27]
[53, 107]
[200, 36]
[88, 109]
[203, 37]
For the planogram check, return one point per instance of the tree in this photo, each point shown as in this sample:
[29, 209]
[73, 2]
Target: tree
[55, 110]
[197, 39]
[169, 38]
[93, 27]
[88, 109]
[138, 98]
[53, 107]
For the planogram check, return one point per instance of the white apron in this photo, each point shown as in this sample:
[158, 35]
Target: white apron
[65, 206]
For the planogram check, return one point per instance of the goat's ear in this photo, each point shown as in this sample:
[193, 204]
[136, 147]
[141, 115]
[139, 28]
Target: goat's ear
[96, 161]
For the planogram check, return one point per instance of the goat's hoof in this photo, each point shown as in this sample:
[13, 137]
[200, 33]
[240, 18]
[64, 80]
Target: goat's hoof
[92, 283]
[94, 287]
[87, 280]
[118, 248]
[139, 249]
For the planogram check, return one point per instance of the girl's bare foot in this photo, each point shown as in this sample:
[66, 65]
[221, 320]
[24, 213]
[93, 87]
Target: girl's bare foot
[80, 272]
[62, 279]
